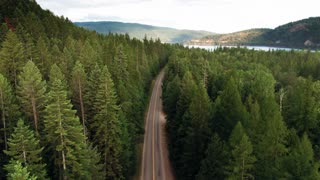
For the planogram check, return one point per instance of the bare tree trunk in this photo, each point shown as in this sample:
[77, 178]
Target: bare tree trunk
[82, 107]
[62, 152]
[282, 93]
[242, 172]
[35, 116]
[3, 120]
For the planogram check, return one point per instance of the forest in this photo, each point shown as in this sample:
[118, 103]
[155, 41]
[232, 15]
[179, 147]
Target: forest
[72, 104]
[72, 101]
[243, 114]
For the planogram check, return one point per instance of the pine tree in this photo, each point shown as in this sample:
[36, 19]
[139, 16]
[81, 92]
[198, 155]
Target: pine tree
[242, 159]
[121, 66]
[43, 55]
[92, 163]
[213, 165]
[229, 108]
[107, 126]
[300, 108]
[79, 82]
[195, 125]
[300, 164]
[31, 90]
[25, 148]
[63, 130]
[89, 98]
[271, 147]
[88, 56]
[9, 108]
[11, 57]
[18, 172]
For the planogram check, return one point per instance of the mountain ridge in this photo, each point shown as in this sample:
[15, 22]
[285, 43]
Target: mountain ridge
[299, 34]
[138, 30]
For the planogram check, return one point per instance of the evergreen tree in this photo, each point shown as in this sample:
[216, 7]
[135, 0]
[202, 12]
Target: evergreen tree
[213, 165]
[43, 56]
[18, 172]
[79, 82]
[107, 126]
[89, 98]
[300, 164]
[88, 56]
[11, 57]
[229, 108]
[9, 108]
[195, 125]
[31, 92]
[120, 70]
[300, 109]
[271, 146]
[63, 131]
[25, 148]
[242, 160]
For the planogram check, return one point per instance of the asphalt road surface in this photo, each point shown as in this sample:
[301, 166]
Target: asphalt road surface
[155, 160]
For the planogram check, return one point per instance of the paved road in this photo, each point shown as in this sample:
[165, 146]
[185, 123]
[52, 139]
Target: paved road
[155, 161]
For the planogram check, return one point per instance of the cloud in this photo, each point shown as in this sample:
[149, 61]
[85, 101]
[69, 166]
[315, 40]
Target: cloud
[87, 3]
[213, 15]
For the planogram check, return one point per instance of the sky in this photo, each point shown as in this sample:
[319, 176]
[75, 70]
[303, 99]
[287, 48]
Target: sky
[220, 16]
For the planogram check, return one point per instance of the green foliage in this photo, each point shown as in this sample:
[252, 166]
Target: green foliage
[31, 90]
[18, 172]
[12, 57]
[25, 148]
[63, 130]
[300, 163]
[242, 160]
[9, 109]
[266, 92]
[53, 45]
[229, 109]
[107, 125]
[213, 165]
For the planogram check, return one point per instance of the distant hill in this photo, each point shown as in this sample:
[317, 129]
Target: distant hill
[169, 35]
[252, 36]
[302, 33]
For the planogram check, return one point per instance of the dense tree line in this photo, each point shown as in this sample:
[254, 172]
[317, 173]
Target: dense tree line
[72, 101]
[243, 114]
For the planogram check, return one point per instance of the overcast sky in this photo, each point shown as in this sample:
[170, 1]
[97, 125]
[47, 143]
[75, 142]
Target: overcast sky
[219, 16]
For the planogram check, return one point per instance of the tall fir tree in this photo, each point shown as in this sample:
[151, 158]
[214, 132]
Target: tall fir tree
[32, 90]
[89, 98]
[229, 109]
[9, 109]
[11, 57]
[25, 148]
[272, 144]
[43, 55]
[79, 82]
[107, 126]
[242, 160]
[300, 163]
[213, 165]
[18, 172]
[195, 125]
[63, 131]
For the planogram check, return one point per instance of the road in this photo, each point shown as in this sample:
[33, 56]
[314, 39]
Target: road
[155, 160]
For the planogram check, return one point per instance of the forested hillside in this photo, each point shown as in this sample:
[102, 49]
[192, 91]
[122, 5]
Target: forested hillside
[71, 101]
[140, 31]
[247, 37]
[243, 114]
[304, 33]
